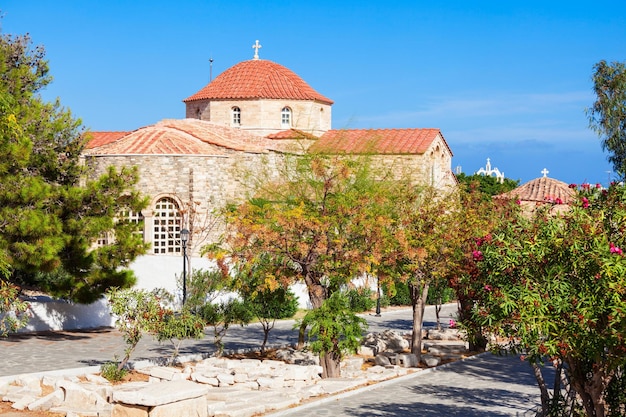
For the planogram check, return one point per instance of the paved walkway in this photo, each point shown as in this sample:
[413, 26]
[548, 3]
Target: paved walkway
[48, 351]
[485, 385]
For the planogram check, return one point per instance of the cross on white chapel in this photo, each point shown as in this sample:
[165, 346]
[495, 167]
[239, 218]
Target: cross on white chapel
[256, 48]
[545, 173]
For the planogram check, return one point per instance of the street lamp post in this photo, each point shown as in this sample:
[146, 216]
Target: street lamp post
[184, 237]
[378, 298]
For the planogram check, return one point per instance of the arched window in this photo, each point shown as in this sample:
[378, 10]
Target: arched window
[285, 118]
[124, 215]
[166, 227]
[236, 112]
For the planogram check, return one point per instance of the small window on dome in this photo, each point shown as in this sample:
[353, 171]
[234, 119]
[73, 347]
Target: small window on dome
[236, 111]
[285, 118]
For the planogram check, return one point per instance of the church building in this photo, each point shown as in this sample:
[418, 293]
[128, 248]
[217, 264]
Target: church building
[248, 117]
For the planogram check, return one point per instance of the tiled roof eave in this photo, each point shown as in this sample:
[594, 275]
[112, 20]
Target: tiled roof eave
[257, 98]
[192, 155]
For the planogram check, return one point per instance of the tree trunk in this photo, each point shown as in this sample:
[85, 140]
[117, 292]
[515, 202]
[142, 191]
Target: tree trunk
[438, 307]
[541, 382]
[477, 341]
[418, 300]
[266, 331]
[317, 295]
[301, 334]
[590, 383]
[331, 364]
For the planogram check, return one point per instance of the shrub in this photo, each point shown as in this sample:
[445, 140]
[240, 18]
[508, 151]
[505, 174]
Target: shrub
[361, 299]
[268, 306]
[439, 295]
[402, 295]
[112, 372]
[222, 315]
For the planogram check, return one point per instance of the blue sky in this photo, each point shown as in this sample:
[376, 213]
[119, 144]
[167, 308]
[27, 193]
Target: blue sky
[506, 80]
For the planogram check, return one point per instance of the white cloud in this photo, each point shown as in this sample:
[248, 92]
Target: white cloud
[555, 118]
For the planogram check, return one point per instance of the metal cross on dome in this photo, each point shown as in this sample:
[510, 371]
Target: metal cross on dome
[256, 48]
[545, 173]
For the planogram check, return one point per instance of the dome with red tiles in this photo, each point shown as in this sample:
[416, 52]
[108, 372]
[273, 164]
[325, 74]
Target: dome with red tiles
[258, 79]
[542, 190]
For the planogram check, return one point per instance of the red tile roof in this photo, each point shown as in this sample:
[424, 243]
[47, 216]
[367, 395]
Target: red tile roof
[258, 79]
[291, 134]
[542, 189]
[378, 141]
[181, 137]
[96, 139]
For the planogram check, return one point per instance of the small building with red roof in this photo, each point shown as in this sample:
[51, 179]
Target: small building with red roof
[540, 192]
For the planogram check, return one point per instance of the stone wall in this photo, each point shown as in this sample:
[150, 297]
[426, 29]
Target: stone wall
[207, 182]
[262, 117]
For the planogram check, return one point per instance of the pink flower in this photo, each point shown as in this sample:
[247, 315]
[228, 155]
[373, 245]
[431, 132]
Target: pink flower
[477, 255]
[585, 202]
[598, 185]
[518, 202]
[572, 185]
[615, 249]
[487, 287]
[558, 201]
[452, 324]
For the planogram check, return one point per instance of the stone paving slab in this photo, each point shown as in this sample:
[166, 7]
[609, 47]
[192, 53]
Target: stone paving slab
[481, 385]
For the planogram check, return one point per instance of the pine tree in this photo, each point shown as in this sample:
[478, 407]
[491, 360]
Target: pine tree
[50, 213]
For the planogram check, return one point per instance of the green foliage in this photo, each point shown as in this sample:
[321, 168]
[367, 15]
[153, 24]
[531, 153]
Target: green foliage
[401, 294]
[361, 299]
[555, 286]
[607, 116]
[112, 371]
[616, 394]
[440, 294]
[487, 185]
[222, 315]
[136, 311]
[140, 311]
[324, 210]
[51, 220]
[13, 311]
[334, 328]
[177, 327]
[203, 286]
[270, 305]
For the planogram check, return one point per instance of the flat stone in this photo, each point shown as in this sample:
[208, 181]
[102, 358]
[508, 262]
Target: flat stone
[240, 409]
[297, 373]
[382, 360]
[22, 403]
[271, 383]
[202, 379]
[368, 350]
[225, 394]
[430, 361]
[163, 393]
[193, 407]
[97, 379]
[127, 410]
[54, 399]
[166, 373]
[280, 402]
[226, 379]
[406, 360]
